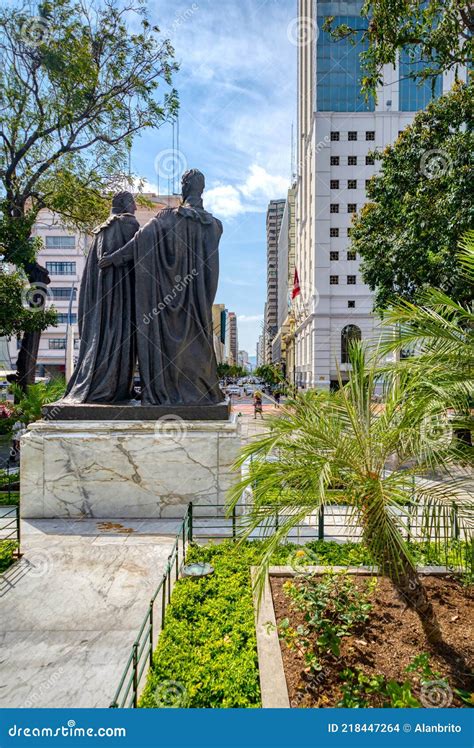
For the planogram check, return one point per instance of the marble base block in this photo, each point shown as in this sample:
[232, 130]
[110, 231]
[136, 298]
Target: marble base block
[127, 469]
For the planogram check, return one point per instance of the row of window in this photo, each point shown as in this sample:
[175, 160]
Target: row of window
[352, 135]
[59, 344]
[61, 268]
[351, 280]
[352, 160]
[63, 319]
[334, 231]
[351, 255]
[351, 184]
[351, 208]
[60, 242]
[63, 293]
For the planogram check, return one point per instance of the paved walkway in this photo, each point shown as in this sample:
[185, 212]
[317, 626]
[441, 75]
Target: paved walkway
[71, 608]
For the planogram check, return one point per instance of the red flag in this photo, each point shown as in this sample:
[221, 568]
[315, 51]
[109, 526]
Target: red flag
[296, 286]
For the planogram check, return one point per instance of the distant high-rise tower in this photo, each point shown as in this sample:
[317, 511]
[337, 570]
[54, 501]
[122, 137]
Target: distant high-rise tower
[337, 132]
[234, 338]
[274, 219]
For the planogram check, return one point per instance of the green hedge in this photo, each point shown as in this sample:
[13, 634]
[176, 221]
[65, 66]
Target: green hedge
[7, 549]
[206, 655]
[9, 499]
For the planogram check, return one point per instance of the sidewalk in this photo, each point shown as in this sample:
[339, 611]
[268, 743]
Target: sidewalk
[71, 608]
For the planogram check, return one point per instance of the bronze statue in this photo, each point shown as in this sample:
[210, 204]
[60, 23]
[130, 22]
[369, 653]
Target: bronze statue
[107, 355]
[176, 267]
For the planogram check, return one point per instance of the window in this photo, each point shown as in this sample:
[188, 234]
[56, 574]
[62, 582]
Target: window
[334, 135]
[352, 207]
[351, 255]
[63, 293]
[61, 268]
[351, 280]
[63, 319]
[415, 95]
[333, 232]
[334, 208]
[333, 280]
[60, 242]
[352, 160]
[352, 184]
[334, 184]
[57, 344]
[352, 135]
[350, 334]
[334, 256]
[370, 135]
[369, 160]
[334, 160]
[351, 304]
[338, 66]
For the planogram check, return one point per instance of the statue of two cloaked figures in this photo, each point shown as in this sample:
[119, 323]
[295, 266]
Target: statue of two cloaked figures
[147, 296]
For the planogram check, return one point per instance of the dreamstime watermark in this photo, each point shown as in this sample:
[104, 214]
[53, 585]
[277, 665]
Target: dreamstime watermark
[170, 163]
[435, 163]
[38, 563]
[37, 297]
[45, 686]
[436, 694]
[435, 431]
[181, 17]
[35, 30]
[180, 285]
[302, 31]
[170, 695]
[172, 427]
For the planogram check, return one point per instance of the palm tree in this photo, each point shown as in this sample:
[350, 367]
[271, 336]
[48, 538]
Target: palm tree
[329, 448]
[440, 331]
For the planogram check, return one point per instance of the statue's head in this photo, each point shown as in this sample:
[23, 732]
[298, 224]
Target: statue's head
[192, 183]
[123, 202]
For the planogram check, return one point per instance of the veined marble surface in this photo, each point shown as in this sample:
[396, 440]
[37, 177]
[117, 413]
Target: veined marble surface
[126, 469]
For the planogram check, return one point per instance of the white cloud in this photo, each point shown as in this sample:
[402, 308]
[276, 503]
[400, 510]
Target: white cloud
[252, 196]
[250, 317]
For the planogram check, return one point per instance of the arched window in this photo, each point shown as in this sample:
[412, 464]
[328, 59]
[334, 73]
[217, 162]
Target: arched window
[349, 334]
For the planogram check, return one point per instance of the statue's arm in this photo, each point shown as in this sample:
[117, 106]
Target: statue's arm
[120, 257]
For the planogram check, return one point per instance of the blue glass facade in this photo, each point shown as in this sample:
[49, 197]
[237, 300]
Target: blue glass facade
[338, 70]
[413, 94]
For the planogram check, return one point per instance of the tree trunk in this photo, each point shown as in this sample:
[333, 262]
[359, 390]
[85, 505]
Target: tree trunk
[411, 589]
[28, 354]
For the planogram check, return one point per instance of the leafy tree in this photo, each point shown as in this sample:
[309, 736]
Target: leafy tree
[330, 448]
[436, 33]
[77, 82]
[420, 204]
[270, 374]
[231, 371]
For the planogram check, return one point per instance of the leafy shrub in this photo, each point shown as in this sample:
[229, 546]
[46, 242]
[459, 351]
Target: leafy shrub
[7, 417]
[7, 549]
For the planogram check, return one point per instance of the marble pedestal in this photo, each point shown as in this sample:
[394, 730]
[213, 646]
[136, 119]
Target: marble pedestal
[120, 469]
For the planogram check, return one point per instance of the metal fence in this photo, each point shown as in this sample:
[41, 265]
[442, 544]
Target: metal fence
[141, 656]
[10, 525]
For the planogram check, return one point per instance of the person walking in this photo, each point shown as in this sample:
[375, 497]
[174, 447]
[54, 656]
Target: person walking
[257, 405]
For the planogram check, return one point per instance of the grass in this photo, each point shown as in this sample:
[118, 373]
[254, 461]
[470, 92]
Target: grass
[7, 550]
[206, 656]
[9, 500]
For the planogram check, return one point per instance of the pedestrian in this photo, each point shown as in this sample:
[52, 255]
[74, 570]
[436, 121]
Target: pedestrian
[257, 405]
[277, 398]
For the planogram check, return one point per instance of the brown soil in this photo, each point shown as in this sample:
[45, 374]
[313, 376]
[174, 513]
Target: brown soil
[386, 643]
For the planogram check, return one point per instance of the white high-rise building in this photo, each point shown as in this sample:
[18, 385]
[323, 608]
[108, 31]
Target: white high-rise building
[337, 129]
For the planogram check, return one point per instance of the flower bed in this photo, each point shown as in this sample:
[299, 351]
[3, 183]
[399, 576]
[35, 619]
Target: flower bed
[349, 641]
[206, 655]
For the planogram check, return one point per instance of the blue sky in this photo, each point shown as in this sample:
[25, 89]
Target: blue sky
[237, 88]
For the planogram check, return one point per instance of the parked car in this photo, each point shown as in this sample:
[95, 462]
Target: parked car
[233, 389]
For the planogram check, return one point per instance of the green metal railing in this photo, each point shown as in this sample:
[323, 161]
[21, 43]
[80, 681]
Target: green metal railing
[141, 656]
[10, 526]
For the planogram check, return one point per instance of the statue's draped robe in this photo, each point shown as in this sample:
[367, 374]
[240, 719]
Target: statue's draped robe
[176, 265]
[107, 354]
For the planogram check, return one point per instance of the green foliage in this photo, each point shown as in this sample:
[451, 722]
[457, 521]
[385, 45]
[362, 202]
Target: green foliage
[208, 644]
[270, 374]
[7, 550]
[30, 403]
[437, 33]
[333, 607]
[16, 315]
[231, 371]
[420, 205]
[12, 499]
